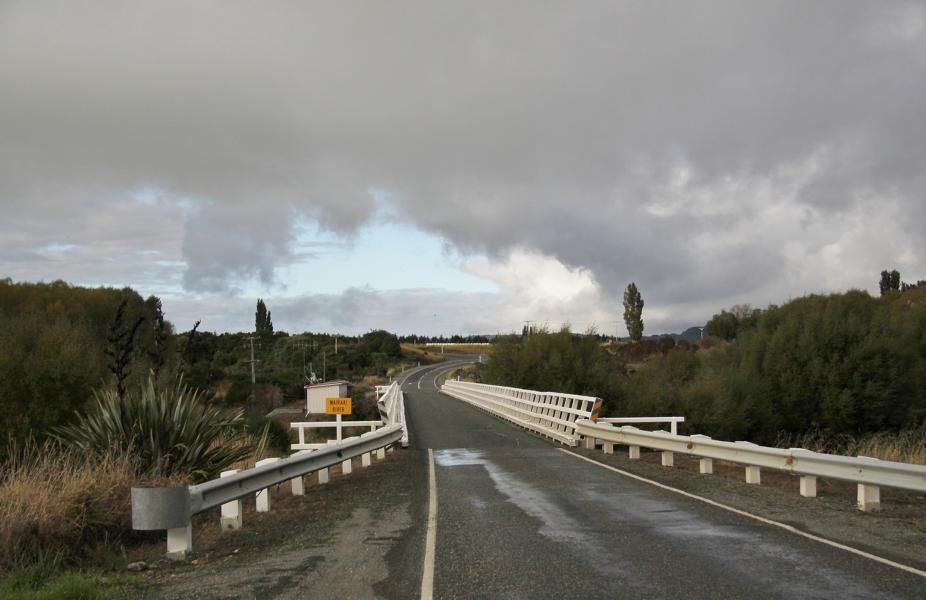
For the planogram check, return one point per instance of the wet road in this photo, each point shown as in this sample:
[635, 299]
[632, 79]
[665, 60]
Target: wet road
[518, 518]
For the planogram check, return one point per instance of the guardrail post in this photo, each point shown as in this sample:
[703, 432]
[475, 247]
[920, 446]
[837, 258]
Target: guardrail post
[263, 496]
[298, 486]
[346, 467]
[231, 511]
[381, 454]
[365, 459]
[608, 447]
[589, 443]
[706, 466]
[322, 476]
[668, 459]
[633, 453]
[179, 542]
[869, 498]
[753, 474]
[809, 486]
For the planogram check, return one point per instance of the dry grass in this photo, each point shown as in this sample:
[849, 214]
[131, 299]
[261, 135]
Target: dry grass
[60, 504]
[907, 446]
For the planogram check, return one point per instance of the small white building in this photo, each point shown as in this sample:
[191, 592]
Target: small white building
[316, 393]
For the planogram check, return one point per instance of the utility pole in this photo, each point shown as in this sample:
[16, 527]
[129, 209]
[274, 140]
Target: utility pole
[302, 345]
[324, 366]
[252, 361]
[335, 344]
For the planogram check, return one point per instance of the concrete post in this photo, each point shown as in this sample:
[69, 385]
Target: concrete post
[633, 453]
[298, 486]
[322, 476]
[808, 486]
[179, 542]
[346, 467]
[263, 496]
[381, 454]
[668, 459]
[608, 447]
[869, 498]
[589, 443]
[365, 459]
[706, 466]
[753, 474]
[231, 511]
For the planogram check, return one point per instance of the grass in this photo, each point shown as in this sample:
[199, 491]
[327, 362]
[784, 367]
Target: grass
[44, 581]
[907, 446]
[57, 503]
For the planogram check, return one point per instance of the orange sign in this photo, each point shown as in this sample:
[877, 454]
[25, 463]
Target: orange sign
[337, 406]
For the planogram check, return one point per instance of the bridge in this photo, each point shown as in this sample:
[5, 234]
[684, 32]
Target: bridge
[535, 504]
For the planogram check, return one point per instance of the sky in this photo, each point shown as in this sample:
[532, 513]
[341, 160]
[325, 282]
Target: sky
[441, 168]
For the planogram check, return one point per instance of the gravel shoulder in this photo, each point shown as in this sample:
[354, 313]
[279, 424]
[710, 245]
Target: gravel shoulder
[360, 536]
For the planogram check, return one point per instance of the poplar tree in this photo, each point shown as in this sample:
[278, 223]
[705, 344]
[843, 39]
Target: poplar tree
[633, 312]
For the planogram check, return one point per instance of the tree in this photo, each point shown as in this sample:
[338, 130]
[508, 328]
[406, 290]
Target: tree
[890, 281]
[633, 312]
[263, 324]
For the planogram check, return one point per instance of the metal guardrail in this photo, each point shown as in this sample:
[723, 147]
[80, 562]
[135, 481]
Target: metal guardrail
[869, 473]
[550, 414]
[673, 421]
[170, 508]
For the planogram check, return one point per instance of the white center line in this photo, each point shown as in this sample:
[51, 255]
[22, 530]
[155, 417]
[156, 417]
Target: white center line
[427, 575]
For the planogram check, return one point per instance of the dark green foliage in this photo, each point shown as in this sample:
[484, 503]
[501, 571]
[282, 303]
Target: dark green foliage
[727, 325]
[277, 434]
[560, 361]
[845, 363]
[170, 432]
[890, 281]
[52, 342]
[633, 312]
[263, 324]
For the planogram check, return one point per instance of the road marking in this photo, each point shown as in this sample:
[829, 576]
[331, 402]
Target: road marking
[419, 380]
[743, 513]
[427, 576]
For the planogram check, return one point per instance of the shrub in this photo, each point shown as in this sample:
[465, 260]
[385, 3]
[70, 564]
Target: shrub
[276, 434]
[171, 433]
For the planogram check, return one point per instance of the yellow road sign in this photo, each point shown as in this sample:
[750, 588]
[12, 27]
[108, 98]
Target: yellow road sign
[337, 406]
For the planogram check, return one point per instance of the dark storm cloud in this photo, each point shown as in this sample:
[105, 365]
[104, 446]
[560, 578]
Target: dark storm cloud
[711, 151]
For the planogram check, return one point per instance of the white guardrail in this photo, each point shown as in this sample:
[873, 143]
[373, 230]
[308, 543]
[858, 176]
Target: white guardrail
[171, 508]
[869, 474]
[550, 414]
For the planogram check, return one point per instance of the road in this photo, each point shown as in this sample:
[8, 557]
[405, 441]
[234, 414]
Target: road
[516, 517]
[519, 518]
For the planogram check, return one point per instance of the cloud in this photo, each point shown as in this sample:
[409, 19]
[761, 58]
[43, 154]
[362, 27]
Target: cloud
[712, 153]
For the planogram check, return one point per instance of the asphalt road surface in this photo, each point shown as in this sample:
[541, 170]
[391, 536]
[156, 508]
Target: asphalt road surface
[518, 518]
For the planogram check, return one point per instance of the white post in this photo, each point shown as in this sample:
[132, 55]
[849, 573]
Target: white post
[231, 511]
[381, 453]
[668, 459]
[365, 459]
[706, 466]
[808, 486]
[633, 453]
[589, 443]
[338, 419]
[322, 476]
[179, 542]
[346, 467]
[869, 498]
[263, 496]
[753, 474]
[301, 435]
[298, 486]
[608, 447]
[674, 428]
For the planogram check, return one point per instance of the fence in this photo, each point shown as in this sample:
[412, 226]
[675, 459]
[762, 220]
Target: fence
[869, 474]
[170, 508]
[550, 414]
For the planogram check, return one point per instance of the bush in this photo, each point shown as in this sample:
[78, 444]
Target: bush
[277, 435]
[171, 433]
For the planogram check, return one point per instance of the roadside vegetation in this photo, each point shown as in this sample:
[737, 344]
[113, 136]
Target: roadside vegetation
[844, 373]
[98, 393]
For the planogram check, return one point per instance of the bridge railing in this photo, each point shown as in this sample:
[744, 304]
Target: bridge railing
[550, 414]
[171, 508]
[869, 474]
